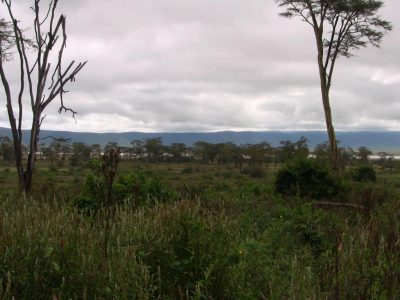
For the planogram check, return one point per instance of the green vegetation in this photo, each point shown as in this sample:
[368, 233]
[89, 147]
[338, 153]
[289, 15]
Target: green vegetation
[364, 173]
[200, 231]
[308, 179]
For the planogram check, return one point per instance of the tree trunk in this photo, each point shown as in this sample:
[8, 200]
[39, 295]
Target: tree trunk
[30, 166]
[17, 146]
[333, 150]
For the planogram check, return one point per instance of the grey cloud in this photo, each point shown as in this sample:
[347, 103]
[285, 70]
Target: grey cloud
[183, 65]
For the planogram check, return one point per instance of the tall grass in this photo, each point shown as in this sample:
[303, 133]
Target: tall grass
[230, 249]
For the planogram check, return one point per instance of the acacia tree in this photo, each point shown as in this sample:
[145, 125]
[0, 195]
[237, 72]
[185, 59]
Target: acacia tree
[41, 73]
[340, 27]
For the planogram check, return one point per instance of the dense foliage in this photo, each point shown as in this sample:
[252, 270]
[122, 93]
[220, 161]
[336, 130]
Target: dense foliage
[307, 178]
[364, 173]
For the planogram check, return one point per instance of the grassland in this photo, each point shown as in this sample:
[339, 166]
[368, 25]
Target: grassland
[218, 234]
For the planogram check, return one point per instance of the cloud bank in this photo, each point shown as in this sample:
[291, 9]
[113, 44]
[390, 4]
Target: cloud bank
[182, 65]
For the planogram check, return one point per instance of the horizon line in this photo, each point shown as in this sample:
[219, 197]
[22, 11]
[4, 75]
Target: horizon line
[221, 131]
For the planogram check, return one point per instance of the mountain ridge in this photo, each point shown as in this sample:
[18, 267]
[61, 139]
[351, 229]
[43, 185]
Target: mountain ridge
[388, 141]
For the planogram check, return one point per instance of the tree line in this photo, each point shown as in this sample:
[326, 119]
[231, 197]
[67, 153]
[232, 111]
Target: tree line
[153, 150]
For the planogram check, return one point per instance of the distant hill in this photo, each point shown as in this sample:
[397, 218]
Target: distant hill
[388, 141]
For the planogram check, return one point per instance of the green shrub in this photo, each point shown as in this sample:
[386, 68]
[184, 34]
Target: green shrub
[364, 173]
[92, 194]
[136, 188]
[141, 188]
[307, 178]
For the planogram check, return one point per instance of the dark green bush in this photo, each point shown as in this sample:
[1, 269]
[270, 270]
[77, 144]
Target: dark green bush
[307, 178]
[92, 194]
[364, 173]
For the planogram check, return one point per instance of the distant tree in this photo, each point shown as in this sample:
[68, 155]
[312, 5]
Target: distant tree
[290, 150]
[258, 153]
[55, 151]
[65, 149]
[321, 151]
[363, 154]
[137, 148]
[285, 151]
[95, 151]
[237, 156]
[340, 27]
[40, 71]
[58, 150]
[383, 156]
[206, 152]
[46, 152]
[301, 146]
[153, 148]
[40, 151]
[80, 153]
[228, 153]
[347, 156]
[109, 146]
[177, 151]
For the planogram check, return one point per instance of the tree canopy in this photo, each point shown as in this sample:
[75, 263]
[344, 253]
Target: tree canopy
[343, 25]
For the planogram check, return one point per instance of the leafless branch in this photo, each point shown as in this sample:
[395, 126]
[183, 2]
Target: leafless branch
[60, 139]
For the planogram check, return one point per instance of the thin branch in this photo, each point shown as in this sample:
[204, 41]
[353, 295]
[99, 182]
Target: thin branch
[48, 13]
[333, 33]
[60, 139]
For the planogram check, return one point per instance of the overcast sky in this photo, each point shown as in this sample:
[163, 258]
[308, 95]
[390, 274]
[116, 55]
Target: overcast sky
[206, 65]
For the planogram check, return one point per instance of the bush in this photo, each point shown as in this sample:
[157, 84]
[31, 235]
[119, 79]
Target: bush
[141, 188]
[307, 179]
[364, 173]
[92, 194]
[138, 187]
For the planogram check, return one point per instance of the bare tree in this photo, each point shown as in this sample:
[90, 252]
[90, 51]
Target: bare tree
[41, 73]
[340, 27]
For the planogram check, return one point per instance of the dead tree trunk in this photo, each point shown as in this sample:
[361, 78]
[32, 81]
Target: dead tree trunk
[45, 86]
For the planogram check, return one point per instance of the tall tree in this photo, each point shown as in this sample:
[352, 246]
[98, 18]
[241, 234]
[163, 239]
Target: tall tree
[42, 73]
[340, 27]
